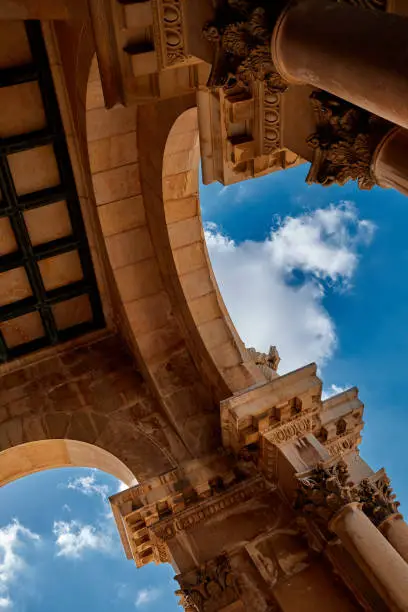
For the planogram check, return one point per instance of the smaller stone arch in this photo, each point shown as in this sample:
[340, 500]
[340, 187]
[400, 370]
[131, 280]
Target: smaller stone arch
[32, 457]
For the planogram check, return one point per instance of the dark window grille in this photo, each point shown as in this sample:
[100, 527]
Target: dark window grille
[13, 206]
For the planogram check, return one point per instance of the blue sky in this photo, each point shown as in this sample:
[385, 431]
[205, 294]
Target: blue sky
[319, 273]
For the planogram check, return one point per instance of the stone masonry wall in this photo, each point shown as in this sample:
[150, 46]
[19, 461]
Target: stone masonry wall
[91, 394]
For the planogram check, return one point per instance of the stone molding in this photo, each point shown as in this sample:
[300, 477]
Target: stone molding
[208, 508]
[344, 444]
[169, 34]
[290, 431]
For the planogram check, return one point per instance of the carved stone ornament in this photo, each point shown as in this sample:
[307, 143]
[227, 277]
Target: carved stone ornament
[378, 499]
[325, 490]
[268, 363]
[209, 588]
[343, 143]
[241, 34]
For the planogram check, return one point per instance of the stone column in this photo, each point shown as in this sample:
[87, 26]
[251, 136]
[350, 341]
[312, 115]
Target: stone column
[395, 529]
[356, 54]
[383, 566]
[390, 162]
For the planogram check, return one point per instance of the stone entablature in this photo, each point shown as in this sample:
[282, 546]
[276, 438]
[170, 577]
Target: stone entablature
[246, 415]
[288, 416]
[149, 515]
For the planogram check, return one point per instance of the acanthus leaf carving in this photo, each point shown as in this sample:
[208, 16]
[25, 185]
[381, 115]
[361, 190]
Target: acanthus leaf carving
[378, 499]
[325, 490]
[210, 587]
[241, 34]
[344, 142]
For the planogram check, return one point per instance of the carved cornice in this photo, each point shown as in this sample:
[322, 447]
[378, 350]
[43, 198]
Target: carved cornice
[210, 587]
[169, 33]
[209, 508]
[344, 444]
[325, 490]
[344, 142]
[241, 34]
[286, 432]
[379, 501]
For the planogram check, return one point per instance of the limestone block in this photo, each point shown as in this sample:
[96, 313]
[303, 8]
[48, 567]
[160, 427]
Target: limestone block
[205, 308]
[121, 215]
[196, 284]
[116, 184]
[112, 152]
[138, 280]
[129, 247]
[185, 232]
[102, 123]
[150, 313]
[190, 257]
[181, 208]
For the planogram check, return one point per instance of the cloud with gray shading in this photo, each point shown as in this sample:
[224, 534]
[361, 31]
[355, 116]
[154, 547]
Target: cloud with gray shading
[256, 280]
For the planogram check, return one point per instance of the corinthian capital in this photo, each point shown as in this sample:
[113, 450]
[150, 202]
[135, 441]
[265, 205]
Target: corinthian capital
[343, 143]
[325, 490]
[241, 34]
[378, 499]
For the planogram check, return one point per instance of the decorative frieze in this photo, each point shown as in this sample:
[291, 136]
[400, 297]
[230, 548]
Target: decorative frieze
[209, 508]
[290, 431]
[210, 587]
[169, 34]
[343, 143]
[344, 444]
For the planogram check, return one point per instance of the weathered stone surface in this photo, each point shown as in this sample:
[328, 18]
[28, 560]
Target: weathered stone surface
[92, 394]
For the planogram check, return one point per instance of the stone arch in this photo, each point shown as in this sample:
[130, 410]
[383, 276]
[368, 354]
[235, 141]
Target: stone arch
[144, 164]
[206, 314]
[29, 458]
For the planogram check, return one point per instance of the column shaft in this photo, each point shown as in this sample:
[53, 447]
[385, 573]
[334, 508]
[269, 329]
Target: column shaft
[356, 54]
[390, 163]
[383, 566]
[395, 529]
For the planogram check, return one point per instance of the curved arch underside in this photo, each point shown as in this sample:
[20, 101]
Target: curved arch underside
[144, 165]
[26, 459]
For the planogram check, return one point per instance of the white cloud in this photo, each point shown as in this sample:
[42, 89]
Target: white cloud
[74, 538]
[333, 390]
[13, 538]
[257, 280]
[88, 485]
[146, 596]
